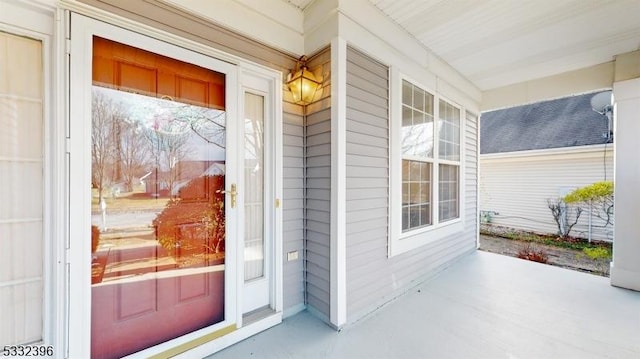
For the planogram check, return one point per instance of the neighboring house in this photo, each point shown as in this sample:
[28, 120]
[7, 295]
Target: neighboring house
[336, 205]
[536, 152]
[185, 171]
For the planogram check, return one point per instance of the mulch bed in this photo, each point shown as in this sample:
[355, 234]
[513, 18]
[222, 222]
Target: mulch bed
[557, 256]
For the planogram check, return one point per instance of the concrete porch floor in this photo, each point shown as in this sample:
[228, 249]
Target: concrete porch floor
[484, 306]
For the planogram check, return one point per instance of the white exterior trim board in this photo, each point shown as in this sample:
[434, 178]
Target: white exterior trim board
[274, 23]
[338, 245]
[560, 153]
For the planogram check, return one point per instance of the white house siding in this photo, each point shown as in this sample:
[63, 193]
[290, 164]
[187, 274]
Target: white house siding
[518, 184]
[181, 23]
[372, 277]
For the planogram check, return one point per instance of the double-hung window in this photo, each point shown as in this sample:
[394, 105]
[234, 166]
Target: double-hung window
[428, 141]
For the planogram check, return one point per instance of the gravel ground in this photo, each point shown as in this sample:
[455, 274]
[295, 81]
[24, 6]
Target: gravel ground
[561, 257]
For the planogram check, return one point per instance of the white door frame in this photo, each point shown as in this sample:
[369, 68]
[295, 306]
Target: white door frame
[37, 20]
[258, 83]
[79, 297]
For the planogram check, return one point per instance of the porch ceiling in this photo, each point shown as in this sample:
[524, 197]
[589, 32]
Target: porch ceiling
[495, 43]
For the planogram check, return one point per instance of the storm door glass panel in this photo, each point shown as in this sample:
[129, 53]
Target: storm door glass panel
[158, 217]
[21, 190]
[254, 182]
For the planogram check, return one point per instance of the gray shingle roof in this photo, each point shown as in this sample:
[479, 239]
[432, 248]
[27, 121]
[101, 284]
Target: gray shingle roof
[564, 122]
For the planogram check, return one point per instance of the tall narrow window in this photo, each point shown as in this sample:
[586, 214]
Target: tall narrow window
[254, 182]
[21, 190]
[417, 156]
[449, 167]
[430, 141]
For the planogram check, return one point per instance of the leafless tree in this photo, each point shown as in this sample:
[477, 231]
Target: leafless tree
[134, 152]
[103, 140]
[167, 147]
[566, 216]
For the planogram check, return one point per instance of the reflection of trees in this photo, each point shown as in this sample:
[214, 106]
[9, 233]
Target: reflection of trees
[418, 139]
[134, 152]
[132, 133]
[172, 134]
[168, 148]
[103, 143]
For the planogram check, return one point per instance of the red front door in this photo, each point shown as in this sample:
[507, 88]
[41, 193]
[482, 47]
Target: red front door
[158, 214]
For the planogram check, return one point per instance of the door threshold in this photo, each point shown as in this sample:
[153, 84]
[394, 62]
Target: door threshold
[257, 314]
[260, 320]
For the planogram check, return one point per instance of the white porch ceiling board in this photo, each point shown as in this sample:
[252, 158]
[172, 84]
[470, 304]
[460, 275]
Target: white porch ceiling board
[299, 4]
[571, 36]
[495, 43]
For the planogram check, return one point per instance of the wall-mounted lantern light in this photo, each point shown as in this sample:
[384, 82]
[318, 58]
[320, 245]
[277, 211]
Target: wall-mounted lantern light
[302, 83]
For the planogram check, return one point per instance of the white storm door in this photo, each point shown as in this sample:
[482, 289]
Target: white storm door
[160, 273]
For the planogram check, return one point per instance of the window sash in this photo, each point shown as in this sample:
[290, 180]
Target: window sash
[433, 139]
[449, 192]
[417, 198]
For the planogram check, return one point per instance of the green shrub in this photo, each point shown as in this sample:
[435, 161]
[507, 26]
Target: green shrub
[597, 253]
[594, 192]
[598, 195]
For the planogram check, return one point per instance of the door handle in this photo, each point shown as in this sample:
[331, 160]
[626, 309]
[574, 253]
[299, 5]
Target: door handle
[234, 195]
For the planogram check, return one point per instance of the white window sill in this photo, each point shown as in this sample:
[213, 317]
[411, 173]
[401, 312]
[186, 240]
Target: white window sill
[404, 242]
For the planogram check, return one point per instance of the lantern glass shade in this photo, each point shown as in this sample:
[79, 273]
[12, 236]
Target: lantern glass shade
[303, 86]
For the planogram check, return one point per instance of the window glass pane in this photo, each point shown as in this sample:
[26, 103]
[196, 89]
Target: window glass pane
[407, 116]
[416, 194]
[449, 132]
[448, 202]
[253, 180]
[405, 217]
[418, 99]
[407, 93]
[417, 121]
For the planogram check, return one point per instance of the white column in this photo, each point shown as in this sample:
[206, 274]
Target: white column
[338, 308]
[625, 268]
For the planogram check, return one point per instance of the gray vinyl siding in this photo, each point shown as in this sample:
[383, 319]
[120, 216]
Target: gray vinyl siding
[171, 19]
[372, 277]
[293, 205]
[318, 190]
[318, 209]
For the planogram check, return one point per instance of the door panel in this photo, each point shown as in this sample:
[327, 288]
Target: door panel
[158, 200]
[113, 62]
[136, 78]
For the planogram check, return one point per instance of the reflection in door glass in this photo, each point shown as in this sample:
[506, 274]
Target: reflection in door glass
[158, 220]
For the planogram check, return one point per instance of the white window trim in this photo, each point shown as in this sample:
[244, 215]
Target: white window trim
[400, 242]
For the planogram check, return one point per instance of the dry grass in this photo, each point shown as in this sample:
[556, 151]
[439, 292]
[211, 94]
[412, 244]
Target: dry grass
[129, 202]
